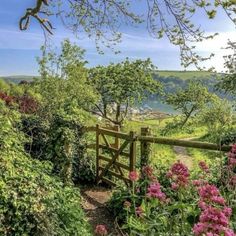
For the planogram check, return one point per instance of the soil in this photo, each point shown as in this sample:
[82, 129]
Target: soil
[94, 203]
[183, 156]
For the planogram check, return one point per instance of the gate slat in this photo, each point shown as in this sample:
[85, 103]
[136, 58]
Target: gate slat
[116, 163]
[126, 154]
[116, 175]
[123, 146]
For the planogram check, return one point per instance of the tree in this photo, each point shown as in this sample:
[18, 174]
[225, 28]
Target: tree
[217, 116]
[65, 79]
[228, 81]
[122, 86]
[65, 96]
[190, 100]
[102, 19]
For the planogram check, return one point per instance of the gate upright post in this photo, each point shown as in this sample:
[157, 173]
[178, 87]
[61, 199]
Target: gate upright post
[132, 151]
[145, 148]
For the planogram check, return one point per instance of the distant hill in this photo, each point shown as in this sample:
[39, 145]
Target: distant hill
[186, 75]
[175, 80]
[18, 78]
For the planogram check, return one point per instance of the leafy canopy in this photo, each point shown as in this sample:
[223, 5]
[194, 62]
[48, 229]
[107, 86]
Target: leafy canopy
[190, 100]
[122, 86]
[101, 20]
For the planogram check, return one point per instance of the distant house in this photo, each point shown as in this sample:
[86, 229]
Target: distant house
[134, 111]
[147, 108]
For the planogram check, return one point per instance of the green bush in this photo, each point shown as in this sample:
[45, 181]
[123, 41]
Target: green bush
[32, 202]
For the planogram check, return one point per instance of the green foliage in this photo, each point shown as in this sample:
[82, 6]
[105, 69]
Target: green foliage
[173, 21]
[186, 75]
[217, 116]
[32, 201]
[122, 86]
[64, 79]
[228, 81]
[140, 213]
[56, 129]
[190, 101]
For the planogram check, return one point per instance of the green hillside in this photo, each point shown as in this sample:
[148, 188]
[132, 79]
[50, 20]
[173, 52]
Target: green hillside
[185, 75]
[18, 78]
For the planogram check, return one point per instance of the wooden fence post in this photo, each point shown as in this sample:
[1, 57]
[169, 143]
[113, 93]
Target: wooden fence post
[117, 140]
[97, 151]
[132, 151]
[145, 148]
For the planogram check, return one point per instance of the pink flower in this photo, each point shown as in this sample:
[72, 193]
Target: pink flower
[179, 173]
[147, 171]
[133, 176]
[214, 218]
[212, 221]
[202, 205]
[180, 169]
[101, 230]
[196, 182]
[137, 190]
[232, 157]
[154, 191]
[199, 182]
[169, 174]
[227, 211]
[139, 211]
[203, 166]
[211, 195]
[174, 186]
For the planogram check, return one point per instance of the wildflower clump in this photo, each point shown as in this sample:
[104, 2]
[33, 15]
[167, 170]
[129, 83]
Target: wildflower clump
[133, 176]
[232, 158]
[215, 215]
[154, 191]
[139, 211]
[179, 174]
[203, 166]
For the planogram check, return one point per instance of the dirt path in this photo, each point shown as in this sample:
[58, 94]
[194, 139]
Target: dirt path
[94, 203]
[183, 156]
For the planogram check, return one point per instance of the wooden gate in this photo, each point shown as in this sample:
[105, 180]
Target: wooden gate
[115, 155]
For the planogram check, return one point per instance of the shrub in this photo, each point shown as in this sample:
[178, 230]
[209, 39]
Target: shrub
[32, 202]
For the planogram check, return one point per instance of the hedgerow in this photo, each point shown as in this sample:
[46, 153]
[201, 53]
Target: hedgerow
[32, 201]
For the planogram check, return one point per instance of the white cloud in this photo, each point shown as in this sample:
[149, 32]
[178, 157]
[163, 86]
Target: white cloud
[133, 46]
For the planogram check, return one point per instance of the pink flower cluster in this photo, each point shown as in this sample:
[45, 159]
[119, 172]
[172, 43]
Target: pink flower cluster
[147, 172]
[154, 191]
[139, 211]
[232, 158]
[203, 166]
[179, 173]
[214, 219]
[101, 230]
[210, 195]
[133, 176]
[199, 182]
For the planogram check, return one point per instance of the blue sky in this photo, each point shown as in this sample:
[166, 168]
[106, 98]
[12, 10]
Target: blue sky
[18, 50]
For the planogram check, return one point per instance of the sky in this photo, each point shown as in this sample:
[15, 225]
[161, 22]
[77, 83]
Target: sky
[18, 50]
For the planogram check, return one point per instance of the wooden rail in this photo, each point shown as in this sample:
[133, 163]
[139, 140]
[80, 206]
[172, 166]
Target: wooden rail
[165, 141]
[184, 143]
